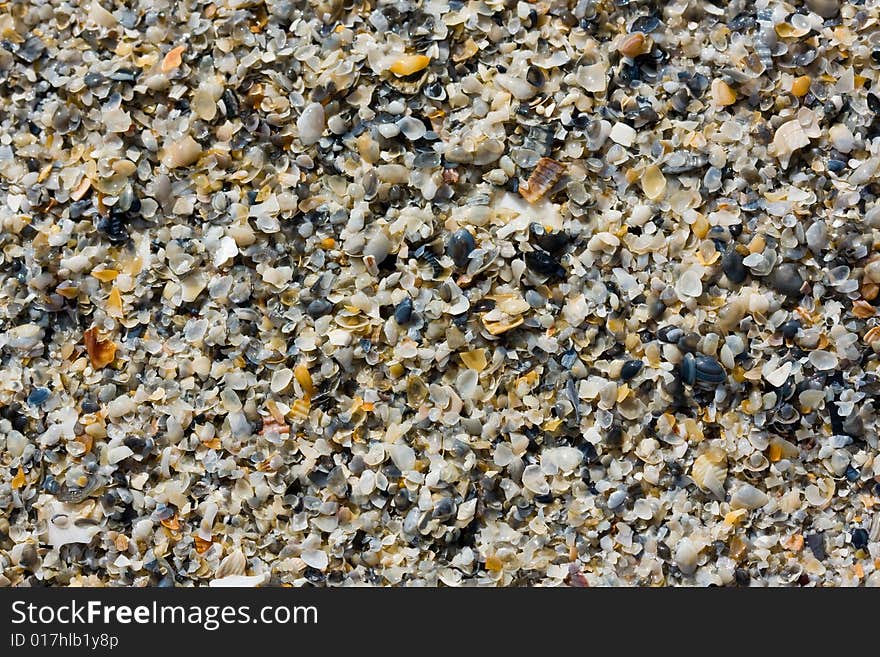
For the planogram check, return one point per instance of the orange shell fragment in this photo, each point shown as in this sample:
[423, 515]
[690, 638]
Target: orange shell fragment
[202, 545]
[19, 479]
[173, 59]
[101, 351]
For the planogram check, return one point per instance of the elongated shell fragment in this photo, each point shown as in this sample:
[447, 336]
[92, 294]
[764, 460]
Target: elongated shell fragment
[545, 175]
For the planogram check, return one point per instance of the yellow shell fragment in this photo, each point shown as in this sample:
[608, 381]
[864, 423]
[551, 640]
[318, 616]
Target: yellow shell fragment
[499, 327]
[801, 86]
[787, 30]
[304, 378]
[475, 360]
[300, 409]
[722, 94]
[409, 64]
[19, 479]
[114, 303]
[653, 183]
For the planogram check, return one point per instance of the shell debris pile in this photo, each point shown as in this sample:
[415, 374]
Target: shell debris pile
[439, 292]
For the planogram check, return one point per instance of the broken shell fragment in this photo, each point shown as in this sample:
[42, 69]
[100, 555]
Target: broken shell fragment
[409, 64]
[710, 470]
[546, 174]
[101, 350]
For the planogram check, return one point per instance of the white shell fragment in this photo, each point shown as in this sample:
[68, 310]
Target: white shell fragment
[747, 496]
[69, 523]
[311, 123]
[622, 134]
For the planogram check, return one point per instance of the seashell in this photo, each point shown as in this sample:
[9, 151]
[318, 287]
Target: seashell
[304, 378]
[69, 523]
[300, 409]
[789, 137]
[702, 370]
[181, 153]
[311, 123]
[801, 86]
[653, 183]
[239, 581]
[647, 450]
[459, 247]
[512, 304]
[748, 497]
[475, 360]
[710, 470]
[683, 162]
[280, 379]
[24, 336]
[756, 462]
[862, 309]
[409, 64]
[687, 554]
[353, 323]
[534, 480]
[173, 59]
[416, 391]
[820, 494]
[632, 45]
[788, 31]
[101, 351]
[722, 94]
[501, 326]
[872, 337]
[545, 175]
[233, 563]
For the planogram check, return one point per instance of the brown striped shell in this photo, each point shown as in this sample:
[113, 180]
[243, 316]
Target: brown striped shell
[545, 175]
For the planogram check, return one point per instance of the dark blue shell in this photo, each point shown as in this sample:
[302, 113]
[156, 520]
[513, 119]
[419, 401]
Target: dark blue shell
[709, 370]
[630, 369]
[701, 370]
[38, 396]
[403, 312]
[688, 369]
[459, 247]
